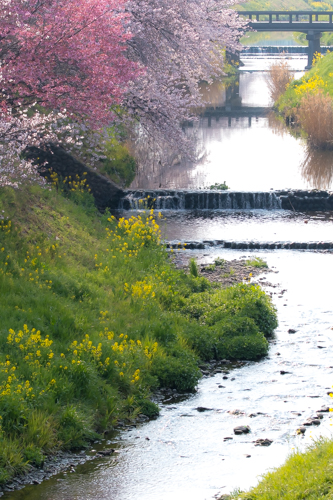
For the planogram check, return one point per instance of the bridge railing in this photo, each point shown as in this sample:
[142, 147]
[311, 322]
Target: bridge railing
[288, 17]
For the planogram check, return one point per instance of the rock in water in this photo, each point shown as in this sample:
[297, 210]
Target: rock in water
[242, 429]
[263, 442]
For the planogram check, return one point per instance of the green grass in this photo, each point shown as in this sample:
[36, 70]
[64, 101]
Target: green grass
[95, 317]
[286, 5]
[119, 165]
[306, 475]
[256, 262]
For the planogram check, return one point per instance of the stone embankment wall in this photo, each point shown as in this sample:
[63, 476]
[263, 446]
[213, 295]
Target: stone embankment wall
[105, 192]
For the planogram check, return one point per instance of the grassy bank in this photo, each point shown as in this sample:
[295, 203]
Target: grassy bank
[276, 5]
[317, 79]
[94, 317]
[304, 476]
[308, 103]
[286, 5]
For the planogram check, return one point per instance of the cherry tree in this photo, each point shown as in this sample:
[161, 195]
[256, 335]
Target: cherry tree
[179, 43]
[68, 56]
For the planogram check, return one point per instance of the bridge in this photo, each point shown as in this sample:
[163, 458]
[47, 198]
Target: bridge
[309, 22]
[234, 112]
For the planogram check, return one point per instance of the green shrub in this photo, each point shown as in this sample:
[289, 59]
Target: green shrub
[201, 339]
[197, 305]
[164, 330]
[219, 186]
[119, 164]
[11, 459]
[238, 337]
[249, 301]
[235, 326]
[180, 373]
[148, 408]
[256, 262]
[194, 268]
[249, 348]
[75, 428]
[34, 455]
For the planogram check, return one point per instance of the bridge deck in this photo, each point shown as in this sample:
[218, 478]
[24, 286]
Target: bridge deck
[302, 21]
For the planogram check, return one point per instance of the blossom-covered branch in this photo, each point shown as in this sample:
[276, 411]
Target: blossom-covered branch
[179, 44]
[67, 56]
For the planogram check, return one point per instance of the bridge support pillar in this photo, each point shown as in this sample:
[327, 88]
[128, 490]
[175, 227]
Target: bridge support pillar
[313, 38]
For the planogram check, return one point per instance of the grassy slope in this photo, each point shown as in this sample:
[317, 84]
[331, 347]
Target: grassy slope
[290, 99]
[94, 317]
[304, 476]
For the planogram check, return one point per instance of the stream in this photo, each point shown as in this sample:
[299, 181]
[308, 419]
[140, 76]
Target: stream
[183, 454]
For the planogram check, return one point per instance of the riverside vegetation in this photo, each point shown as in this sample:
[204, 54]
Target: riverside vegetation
[303, 476]
[95, 317]
[306, 102]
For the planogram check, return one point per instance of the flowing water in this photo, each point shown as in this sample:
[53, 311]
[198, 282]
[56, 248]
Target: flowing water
[183, 454]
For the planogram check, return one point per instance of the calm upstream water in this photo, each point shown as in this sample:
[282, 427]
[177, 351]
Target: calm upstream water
[183, 454]
[247, 150]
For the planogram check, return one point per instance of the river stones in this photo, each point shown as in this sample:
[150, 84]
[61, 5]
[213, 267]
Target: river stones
[201, 409]
[263, 442]
[282, 372]
[242, 429]
[324, 409]
[236, 412]
[312, 421]
[301, 430]
[291, 330]
[142, 418]
[106, 453]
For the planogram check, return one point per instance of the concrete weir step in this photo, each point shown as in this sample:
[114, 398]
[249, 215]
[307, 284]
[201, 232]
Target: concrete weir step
[167, 199]
[251, 245]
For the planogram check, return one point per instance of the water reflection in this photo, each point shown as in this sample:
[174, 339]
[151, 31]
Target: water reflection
[240, 143]
[317, 168]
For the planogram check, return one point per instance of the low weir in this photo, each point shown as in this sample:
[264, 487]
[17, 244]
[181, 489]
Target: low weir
[295, 200]
[274, 49]
[251, 245]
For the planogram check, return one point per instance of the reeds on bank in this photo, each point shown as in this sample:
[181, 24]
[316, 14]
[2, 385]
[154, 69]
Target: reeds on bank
[279, 77]
[315, 115]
